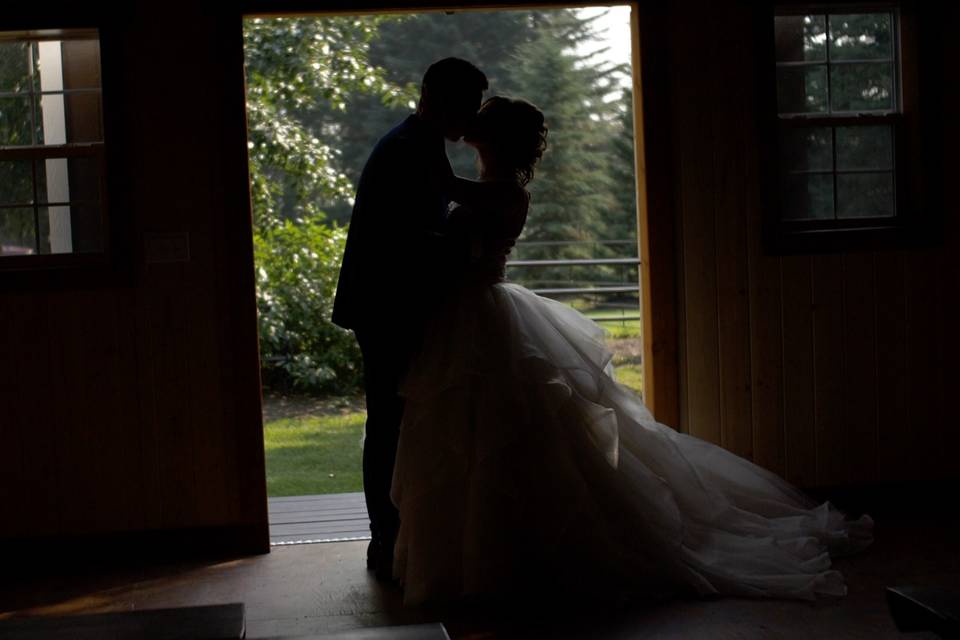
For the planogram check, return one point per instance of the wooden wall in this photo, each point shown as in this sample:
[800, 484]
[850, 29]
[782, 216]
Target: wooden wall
[131, 402]
[831, 369]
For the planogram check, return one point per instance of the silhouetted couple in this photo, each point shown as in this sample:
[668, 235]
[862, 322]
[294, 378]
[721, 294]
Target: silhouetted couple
[500, 453]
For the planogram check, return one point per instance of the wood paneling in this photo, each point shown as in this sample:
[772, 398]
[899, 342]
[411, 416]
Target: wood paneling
[28, 425]
[892, 408]
[123, 407]
[848, 354]
[699, 390]
[134, 405]
[859, 415]
[766, 358]
[800, 437]
[656, 214]
[732, 213]
[926, 421]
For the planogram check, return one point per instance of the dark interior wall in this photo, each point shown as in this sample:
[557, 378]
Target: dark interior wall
[131, 402]
[830, 368]
[130, 397]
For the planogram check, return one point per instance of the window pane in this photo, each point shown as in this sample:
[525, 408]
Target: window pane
[14, 67]
[802, 89]
[17, 232]
[800, 38]
[69, 109]
[860, 148]
[72, 229]
[83, 117]
[806, 149]
[864, 36]
[85, 178]
[87, 228]
[56, 229]
[16, 182]
[53, 179]
[807, 197]
[865, 195]
[68, 180]
[57, 101]
[81, 64]
[63, 119]
[862, 87]
[15, 121]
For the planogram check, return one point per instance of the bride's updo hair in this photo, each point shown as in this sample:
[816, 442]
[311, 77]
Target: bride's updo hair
[514, 131]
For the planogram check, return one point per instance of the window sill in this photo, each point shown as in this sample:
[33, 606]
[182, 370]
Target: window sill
[60, 271]
[786, 239]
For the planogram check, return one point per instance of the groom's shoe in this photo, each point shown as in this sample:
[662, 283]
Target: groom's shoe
[372, 554]
[380, 560]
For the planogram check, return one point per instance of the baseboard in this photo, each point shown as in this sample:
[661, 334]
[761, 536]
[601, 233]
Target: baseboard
[914, 499]
[131, 548]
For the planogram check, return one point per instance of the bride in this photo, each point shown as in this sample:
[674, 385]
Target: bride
[523, 465]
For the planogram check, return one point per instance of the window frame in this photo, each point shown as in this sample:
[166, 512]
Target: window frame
[918, 213]
[111, 264]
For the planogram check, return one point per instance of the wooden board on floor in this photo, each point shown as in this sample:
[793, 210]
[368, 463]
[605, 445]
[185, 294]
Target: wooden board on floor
[403, 632]
[318, 518]
[214, 622]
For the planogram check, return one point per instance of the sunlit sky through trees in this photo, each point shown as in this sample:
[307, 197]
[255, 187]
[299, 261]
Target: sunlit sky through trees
[613, 30]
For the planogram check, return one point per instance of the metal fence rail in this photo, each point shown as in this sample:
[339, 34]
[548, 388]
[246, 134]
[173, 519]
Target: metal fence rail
[579, 262]
[573, 262]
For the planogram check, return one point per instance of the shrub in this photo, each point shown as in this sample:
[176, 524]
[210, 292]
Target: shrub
[300, 349]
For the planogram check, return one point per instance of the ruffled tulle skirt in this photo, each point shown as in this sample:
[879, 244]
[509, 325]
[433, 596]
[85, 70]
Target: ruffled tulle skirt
[522, 464]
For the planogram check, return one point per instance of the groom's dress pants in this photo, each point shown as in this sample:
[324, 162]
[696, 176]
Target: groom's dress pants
[385, 360]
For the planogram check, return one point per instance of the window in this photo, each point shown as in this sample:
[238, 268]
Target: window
[51, 145]
[842, 131]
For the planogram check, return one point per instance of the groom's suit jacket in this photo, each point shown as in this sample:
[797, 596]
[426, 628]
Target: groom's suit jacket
[393, 265]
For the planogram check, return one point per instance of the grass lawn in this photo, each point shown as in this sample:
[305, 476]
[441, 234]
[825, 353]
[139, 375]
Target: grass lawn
[313, 449]
[312, 446]
[630, 375]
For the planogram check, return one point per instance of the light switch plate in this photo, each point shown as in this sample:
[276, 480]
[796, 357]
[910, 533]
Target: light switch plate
[167, 246]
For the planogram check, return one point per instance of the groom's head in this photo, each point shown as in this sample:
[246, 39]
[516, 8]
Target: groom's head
[450, 95]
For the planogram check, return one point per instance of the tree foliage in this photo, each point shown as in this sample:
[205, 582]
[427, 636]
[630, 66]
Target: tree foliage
[321, 92]
[299, 72]
[297, 267]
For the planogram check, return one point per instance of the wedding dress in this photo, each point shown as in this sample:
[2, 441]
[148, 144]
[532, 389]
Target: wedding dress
[522, 464]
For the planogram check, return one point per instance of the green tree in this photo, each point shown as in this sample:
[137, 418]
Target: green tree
[299, 71]
[16, 177]
[297, 267]
[623, 216]
[528, 54]
[404, 49]
[573, 192]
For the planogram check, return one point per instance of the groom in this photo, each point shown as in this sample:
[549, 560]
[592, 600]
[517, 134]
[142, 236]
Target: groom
[394, 270]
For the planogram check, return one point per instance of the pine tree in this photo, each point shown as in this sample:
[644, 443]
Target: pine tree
[404, 49]
[572, 194]
[623, 217]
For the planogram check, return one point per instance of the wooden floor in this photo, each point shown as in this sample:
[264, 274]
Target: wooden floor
[336, 517]
[323, 588]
